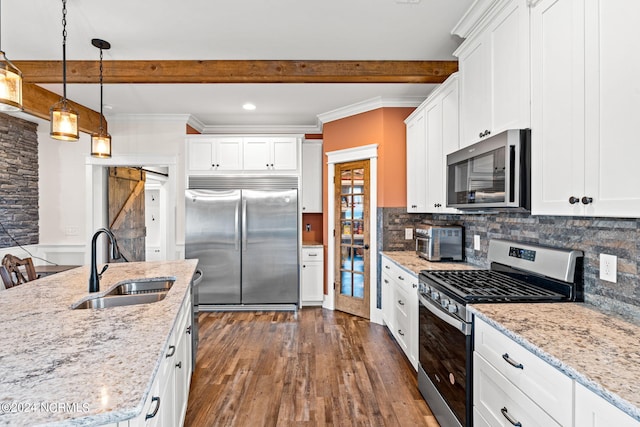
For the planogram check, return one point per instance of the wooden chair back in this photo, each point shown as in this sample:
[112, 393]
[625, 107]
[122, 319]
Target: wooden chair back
[20, 270]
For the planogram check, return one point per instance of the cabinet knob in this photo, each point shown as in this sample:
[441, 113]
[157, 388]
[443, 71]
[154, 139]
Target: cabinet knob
[304, 266]
[188, 330]
[179, 365]
[400, 302]
[586, 200]
[480, 135]
[267, 164]
[271, 164]
[414, 286]
[573, 200]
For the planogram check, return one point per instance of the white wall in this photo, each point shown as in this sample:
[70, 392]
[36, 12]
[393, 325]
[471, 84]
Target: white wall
[64, 235]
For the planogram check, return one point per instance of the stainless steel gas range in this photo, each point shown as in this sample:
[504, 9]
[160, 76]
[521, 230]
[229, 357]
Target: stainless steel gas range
[519, 273]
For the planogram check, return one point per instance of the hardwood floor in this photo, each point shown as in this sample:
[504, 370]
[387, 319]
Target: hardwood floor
[314, 368]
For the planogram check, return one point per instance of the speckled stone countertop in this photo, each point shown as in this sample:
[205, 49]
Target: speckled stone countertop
[596, 349]
[413, 263]
[88, 367]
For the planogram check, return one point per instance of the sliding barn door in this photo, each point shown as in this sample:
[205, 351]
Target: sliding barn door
[126, 211]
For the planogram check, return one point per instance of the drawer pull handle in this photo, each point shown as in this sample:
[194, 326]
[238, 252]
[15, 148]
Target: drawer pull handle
[188, 330]
[179, 365]
[511, 362]
[155, 411]
[505, 413]
[400, 302]
[313, 254]
[400, 277]
[386, 281]
[172, 349]
[400, 332]
[387, 267]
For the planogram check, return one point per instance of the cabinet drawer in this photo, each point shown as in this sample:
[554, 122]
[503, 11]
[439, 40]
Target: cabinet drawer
[401, 302]
[544, 384]
[500, 403]
[312, 254]
[400, 330]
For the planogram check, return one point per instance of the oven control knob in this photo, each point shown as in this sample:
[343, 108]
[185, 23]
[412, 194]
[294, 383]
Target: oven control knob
[435, 296]
[444, 303]
[452, 308]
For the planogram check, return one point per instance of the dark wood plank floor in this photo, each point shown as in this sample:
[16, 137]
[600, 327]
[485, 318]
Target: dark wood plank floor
[314, 368]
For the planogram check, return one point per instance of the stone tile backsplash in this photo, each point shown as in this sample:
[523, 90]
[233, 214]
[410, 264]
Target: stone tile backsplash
[593, 236]
[18, 181]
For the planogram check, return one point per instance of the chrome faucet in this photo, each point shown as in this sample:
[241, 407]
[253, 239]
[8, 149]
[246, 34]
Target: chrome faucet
[94, 279]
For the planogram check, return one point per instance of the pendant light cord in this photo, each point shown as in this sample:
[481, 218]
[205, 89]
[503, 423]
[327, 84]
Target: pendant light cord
[101, 128]
[64, 50]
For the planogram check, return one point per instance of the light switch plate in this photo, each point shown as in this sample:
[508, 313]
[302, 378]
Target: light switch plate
[476, 242]
[608, 267]
[408, 233]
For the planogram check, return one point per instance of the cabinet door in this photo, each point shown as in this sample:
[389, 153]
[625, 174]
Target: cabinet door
[450, 133]
[412, 299]
[284, 154]
[593, 411]
[510, 81]
[612, 105]
[228, 154]
[416, 163]
[435, 173]
[312, 292]
[201, 155]
[257, 153]
[312, 177]
[557, 118]
[475, 92]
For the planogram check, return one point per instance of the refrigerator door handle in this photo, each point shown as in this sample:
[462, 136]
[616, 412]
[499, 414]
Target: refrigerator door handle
[236, 239]
[244, 224]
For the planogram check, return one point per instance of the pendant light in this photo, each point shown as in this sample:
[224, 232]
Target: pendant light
[10, 82]
[64, 120]
[101, 141]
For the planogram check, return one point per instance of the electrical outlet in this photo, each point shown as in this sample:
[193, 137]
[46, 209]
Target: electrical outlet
[71, 231]
[476, 242]
[308, 227]
[408, 233]
[608, 267]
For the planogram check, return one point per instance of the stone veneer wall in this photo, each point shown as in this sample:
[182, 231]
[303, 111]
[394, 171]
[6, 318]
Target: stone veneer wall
[615, 236]
[18, 181]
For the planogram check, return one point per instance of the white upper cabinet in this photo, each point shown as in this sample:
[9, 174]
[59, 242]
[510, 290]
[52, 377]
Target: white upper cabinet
[215, 154]
[584, 153]
[494, 73]
[416, 161]
[312, 176]
[270, 153]
[432, 133]
[238, 153]
[442, 139]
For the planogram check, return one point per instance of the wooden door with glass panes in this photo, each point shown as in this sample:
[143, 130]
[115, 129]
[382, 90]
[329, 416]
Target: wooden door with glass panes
[352, 237]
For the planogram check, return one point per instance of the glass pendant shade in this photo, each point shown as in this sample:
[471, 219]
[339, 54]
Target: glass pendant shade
[10, 85]
[101, 145]
[64, 122]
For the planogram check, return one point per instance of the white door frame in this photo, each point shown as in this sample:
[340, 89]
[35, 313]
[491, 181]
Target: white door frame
[366, 152]
[97, 198]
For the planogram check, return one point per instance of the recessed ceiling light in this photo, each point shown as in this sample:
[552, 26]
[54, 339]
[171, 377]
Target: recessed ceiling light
[249, 106]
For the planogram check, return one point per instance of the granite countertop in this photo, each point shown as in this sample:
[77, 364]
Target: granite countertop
[413, 263]
[60, 366]
[598, 350]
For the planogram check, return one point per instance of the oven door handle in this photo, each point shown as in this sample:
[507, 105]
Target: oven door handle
[463, 327]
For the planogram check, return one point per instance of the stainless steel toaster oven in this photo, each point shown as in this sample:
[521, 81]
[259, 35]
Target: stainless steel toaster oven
[440, 243]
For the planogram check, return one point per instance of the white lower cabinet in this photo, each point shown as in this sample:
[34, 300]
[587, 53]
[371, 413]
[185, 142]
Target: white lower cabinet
[400, 306]
[512, 385]
[312, 276]
[166, 404]
[593, 411]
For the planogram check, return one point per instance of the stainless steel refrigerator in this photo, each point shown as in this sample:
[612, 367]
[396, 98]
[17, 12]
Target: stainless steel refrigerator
[247, 244]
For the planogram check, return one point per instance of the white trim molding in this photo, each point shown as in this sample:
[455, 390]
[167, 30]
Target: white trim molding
[367, 152]
[369, 105]
[261, 129]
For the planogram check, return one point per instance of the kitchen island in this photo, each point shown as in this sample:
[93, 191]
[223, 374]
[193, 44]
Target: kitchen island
[60, 366]
[598, 350]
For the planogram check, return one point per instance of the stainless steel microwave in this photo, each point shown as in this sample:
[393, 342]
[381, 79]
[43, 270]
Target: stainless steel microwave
[493, 173]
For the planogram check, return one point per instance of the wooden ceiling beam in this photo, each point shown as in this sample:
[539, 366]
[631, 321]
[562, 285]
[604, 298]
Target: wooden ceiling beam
[37, 101]
[239, 71]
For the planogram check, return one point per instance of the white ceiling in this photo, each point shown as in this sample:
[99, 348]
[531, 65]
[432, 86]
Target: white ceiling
[235, 29]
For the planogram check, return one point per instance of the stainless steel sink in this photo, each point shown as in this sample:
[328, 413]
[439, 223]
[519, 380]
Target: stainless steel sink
[144, 286]
[121, 300]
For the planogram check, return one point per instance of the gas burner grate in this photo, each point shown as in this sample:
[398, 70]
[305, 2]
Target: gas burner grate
[481, 285]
